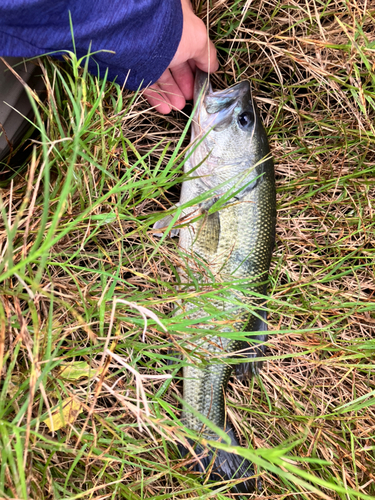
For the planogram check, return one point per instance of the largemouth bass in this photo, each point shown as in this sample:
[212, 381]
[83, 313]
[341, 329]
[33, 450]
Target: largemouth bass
[231, 159]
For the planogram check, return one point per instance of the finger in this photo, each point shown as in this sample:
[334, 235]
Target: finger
[171, 90]
[184, 77]
[206, 59]
[157, 98]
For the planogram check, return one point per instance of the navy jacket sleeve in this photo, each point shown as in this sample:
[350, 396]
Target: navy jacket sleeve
[144, 34]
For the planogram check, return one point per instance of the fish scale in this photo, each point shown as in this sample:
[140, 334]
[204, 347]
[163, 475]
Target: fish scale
[242, 251]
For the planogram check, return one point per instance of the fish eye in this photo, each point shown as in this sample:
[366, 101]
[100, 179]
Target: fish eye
[245, 119]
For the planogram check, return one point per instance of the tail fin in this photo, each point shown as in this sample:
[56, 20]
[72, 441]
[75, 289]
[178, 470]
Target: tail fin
[226, 466]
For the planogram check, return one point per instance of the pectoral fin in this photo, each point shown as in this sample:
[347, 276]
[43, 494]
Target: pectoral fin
[208, 234]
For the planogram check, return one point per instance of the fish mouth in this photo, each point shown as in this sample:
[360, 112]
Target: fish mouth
[215, 109]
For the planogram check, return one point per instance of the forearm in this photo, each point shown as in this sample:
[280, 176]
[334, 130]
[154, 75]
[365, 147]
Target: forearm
[143, 34]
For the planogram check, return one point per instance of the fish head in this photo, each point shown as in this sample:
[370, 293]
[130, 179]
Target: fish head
[231, 143]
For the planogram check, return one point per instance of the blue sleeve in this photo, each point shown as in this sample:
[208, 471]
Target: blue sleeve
[144, 34]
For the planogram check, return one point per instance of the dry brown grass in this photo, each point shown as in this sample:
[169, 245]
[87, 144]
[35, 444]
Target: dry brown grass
[312, 67]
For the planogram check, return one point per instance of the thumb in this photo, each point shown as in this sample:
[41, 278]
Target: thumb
[195, 45]
[206, 59]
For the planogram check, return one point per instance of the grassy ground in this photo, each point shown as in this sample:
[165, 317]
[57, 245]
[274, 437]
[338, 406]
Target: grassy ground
[79, 262]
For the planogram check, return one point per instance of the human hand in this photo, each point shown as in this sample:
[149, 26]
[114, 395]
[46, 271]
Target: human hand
[176, 84]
